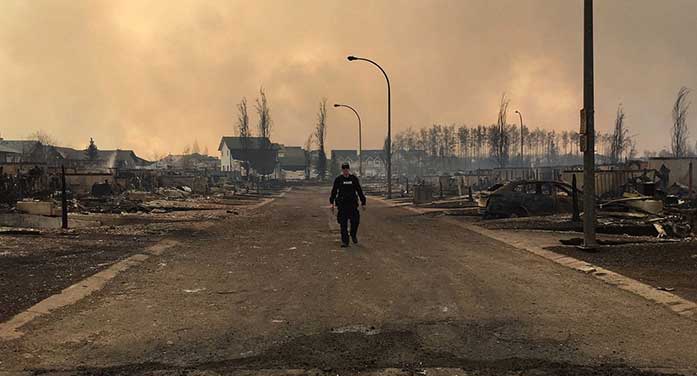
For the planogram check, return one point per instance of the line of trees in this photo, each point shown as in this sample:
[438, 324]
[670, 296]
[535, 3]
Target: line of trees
[462, 147]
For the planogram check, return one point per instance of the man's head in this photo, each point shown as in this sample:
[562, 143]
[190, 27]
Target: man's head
[345, 169]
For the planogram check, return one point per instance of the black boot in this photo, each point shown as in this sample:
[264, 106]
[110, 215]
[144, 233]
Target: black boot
[355, 239]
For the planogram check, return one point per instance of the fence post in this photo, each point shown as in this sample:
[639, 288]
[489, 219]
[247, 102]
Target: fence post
[64, 200]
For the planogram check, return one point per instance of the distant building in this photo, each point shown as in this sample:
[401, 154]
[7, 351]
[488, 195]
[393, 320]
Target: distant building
[111, 159]
[32, 152]
[258, 152]
[193, 161]
[293, 162]
[8, 155]
[339, 157]
[35, 153]
[373, 162]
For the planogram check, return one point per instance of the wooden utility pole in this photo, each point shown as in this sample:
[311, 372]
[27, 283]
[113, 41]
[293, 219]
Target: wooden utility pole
[588, 130]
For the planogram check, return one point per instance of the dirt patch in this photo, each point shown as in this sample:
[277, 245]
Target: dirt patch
[33, 268]
[670, 266]
[37, 264]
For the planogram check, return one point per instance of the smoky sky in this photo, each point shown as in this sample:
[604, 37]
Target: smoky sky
[157, 75]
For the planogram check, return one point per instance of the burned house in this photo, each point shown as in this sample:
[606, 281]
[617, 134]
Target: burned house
[194, 161]
[253, 155]
[31, 167]
[30, 152]
[102, 159]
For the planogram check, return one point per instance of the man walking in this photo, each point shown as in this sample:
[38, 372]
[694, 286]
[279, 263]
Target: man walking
[345, 194]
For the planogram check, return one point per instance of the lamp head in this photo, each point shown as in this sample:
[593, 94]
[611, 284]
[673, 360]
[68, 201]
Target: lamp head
[351, 58]
[336, 105]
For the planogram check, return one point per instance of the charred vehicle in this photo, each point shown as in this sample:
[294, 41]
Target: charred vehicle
[530, 198]
[483, 196]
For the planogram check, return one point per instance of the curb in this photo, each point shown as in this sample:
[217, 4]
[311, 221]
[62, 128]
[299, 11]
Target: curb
[72, 294]
[9, 330]
[681, 306]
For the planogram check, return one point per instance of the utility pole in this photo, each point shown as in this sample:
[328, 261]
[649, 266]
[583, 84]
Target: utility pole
[588, 130]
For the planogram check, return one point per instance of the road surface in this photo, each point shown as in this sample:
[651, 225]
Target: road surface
[274, 292]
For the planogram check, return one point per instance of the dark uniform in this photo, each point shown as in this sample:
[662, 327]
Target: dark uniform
[345, 194]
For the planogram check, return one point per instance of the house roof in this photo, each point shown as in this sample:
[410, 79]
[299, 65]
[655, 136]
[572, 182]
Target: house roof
[235, 143]
[293, 156]
[102, 155]
[20, 146]
[375, 154]
[6, 149]
[344, 155]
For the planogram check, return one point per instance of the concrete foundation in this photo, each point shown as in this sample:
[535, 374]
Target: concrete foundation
[45, 208]
[40, 221]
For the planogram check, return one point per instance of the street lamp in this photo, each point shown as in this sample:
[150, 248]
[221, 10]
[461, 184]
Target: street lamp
[389, 123]
[360, 137]
[522, 161]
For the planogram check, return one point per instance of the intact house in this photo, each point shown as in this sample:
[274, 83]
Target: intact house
[253, 155]
[339, 157]
[373, 162]
[293, 162]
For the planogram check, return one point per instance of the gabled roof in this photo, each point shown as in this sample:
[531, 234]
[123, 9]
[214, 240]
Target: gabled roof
[293, 156]
[102, 155]
[344, 155]
[375, 154]
[235, 143]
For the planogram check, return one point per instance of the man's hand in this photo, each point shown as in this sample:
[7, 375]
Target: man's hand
[363, 207]
[332, 208]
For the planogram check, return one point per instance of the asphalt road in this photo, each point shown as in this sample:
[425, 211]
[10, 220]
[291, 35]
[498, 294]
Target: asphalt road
[273, 292]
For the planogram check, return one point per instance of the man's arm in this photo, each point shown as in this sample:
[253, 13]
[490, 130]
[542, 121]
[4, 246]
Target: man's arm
[335, 190]
[359, 190]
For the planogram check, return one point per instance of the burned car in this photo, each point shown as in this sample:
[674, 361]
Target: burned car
[530, 198]
[483, 196]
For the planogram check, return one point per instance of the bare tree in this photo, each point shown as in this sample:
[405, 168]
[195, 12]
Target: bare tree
[498, 135]
[195, 149]
[43, 137]
[679, 132]
[308, 155]
[243, 131]
[619, 141]
[320, 136]
[264, 113]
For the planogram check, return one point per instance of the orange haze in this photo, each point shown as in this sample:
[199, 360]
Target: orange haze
[157, 75]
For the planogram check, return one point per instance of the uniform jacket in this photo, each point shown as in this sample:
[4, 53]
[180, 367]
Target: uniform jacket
[346, 191]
